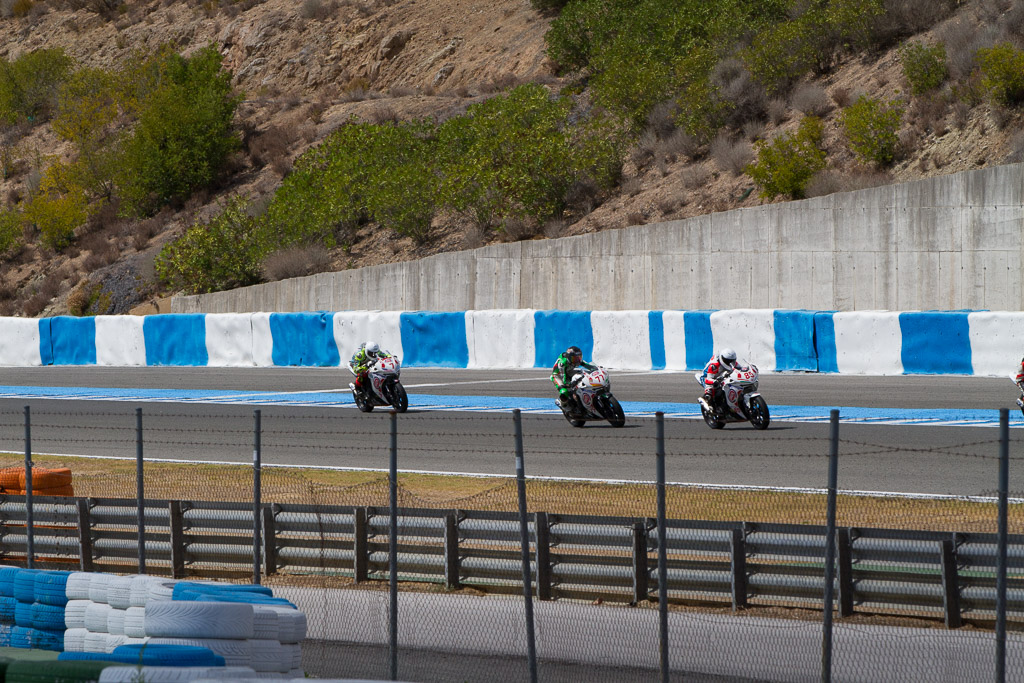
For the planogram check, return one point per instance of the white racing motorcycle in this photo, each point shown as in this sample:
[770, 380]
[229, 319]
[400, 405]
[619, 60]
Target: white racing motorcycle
[384, 388]
[742, 403]
[1020, 401]
[593, 400]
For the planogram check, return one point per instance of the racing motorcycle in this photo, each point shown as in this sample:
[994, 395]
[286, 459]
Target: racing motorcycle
[593, 399]
[738, 400]
[382, 387]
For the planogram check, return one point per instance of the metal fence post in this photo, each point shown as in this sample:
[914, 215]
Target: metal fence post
[360, 543]
[1004, 486]
[830, 547]
[257, 541]
[140, 493]
[393, 550]
[451, 550]
[542, 554]
[641, 569]
[30, 550]
[524, 542]
[177, 534]
[659, 422]
[84, 536]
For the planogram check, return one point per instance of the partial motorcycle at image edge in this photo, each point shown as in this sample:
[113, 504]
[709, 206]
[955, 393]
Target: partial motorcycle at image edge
[592, 400]
[383, 387]
[738, 399]
[1020, 401]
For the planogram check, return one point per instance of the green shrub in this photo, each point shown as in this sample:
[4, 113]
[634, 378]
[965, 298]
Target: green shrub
[701, 110]
[184, 134]
[57, 215]
[222, 254]
[321, 200]
[786, 163]
[29, 85]
[515, 157]
[784, 52]
[924, 66]
[548, 5]
[630, 48]
[10, 231]
[401, 189]
[1002, 69]
[871, 126]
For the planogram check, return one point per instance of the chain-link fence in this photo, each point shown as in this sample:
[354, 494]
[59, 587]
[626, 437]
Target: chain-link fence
[424, 546]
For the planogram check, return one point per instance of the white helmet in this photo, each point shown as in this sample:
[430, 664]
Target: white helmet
[728, 357]
[372, 348]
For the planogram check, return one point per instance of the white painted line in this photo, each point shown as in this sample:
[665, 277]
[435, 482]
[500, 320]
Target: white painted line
[517, 379]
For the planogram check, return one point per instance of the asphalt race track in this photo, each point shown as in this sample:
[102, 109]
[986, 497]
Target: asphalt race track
[918, 434]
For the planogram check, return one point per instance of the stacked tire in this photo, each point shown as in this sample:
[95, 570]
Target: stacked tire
[245, 626]
[32, 608]
[45, 482]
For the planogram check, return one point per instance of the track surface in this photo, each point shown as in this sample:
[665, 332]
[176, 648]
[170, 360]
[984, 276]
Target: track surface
[925, 459]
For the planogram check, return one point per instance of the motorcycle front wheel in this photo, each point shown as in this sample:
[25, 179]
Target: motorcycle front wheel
[759, 416]
[399, 398]
[613, 412]
[710, 419]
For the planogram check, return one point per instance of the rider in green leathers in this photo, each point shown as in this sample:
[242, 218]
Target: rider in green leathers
[562, 373]
[362, 359]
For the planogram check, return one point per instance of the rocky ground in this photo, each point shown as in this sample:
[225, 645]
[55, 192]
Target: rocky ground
[304, 68]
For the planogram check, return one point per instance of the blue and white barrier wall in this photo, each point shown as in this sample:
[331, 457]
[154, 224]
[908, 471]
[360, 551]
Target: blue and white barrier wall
[860, 342]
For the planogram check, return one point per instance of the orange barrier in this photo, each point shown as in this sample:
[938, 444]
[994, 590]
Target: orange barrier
[45, 482]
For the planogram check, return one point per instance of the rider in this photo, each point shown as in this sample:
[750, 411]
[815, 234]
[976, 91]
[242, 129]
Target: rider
[1019, 379]
[564, 369]
[717, 368]
[363, 358]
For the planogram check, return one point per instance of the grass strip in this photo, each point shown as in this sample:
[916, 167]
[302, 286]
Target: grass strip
[115, 478]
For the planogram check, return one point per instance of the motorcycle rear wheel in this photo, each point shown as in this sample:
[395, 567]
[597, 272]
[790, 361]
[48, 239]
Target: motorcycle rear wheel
[362, 402]
[710, 419]
[575, 422]
[759, 416]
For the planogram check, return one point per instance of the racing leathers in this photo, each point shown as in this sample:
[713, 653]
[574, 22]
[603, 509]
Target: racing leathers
[361, 362]
[561, 375]
[1019, 379]
[714, 372]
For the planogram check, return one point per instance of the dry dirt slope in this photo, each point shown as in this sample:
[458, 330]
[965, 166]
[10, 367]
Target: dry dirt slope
[306, 67]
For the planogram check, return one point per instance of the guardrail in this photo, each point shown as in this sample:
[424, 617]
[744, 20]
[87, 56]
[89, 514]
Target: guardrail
[920, 573]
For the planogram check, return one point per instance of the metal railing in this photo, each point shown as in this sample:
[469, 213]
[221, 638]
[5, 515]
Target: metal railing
[943, 575]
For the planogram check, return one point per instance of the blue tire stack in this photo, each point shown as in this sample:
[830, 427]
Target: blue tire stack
[32, 608]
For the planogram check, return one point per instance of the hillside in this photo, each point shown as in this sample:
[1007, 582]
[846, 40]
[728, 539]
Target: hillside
[304, 69]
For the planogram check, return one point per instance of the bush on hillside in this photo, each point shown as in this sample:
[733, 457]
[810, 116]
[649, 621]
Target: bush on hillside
[548, 5]
[222, 254]
[811, 42]
[787, 162]
[924, 66]
[872, 129]
[1002, 69]
[630, 49]
[321, 201]
[10, 232]
[401, 188]
[29, 85]
[516, 157]
[184, 134]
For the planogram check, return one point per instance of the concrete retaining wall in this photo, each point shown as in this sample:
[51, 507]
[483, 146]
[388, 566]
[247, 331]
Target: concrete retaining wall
[860, 342]
[951, 242]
